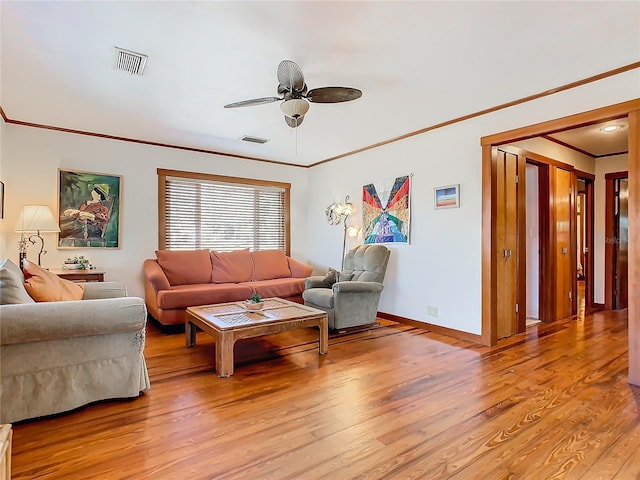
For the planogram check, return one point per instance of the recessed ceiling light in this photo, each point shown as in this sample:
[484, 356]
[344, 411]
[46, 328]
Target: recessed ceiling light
[610, 128]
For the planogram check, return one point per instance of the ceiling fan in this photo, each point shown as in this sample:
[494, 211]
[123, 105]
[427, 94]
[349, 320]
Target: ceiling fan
[293, 91]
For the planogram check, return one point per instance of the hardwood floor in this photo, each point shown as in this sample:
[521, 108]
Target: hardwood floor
[393, 402]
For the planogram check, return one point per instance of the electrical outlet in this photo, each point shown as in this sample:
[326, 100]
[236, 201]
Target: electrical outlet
[432, 311]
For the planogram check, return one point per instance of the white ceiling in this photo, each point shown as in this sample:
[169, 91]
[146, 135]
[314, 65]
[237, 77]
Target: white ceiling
[417, 63]
[595, 142]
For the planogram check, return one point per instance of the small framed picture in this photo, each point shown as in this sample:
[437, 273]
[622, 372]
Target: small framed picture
[448, 196]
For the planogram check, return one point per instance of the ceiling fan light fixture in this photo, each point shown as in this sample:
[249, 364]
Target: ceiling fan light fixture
[294, 108]
[296, 96]
[293, 122]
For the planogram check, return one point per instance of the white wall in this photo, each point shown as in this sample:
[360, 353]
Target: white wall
[31, 157]
[440, 267]
[618, 163]
[442, 264]
[558, 152]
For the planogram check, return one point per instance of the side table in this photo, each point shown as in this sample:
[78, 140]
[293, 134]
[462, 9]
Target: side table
[80, 275]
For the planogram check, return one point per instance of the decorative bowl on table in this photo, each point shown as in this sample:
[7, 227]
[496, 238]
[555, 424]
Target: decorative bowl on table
[253, 306]
[254, 303]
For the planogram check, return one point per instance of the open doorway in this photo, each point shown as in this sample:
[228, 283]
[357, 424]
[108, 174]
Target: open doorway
[621, 251]
[534, 248]
[617, 241]
[492, 254]
[585, 240]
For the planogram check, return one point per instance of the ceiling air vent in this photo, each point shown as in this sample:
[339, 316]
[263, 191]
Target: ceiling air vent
[129, 61]
[248, 138]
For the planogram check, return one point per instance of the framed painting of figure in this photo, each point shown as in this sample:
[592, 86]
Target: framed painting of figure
[89, 209]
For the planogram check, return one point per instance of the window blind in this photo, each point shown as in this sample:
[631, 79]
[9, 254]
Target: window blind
[215, 215]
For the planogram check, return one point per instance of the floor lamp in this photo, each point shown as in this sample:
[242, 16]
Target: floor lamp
[38, 219]
[339, 212]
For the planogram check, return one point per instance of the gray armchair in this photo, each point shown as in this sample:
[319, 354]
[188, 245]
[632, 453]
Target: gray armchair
[353, 299]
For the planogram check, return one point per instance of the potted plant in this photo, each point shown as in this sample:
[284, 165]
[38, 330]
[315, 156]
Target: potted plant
[255, 302]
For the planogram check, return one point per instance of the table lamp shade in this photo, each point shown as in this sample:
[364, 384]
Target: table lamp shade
[36, 218]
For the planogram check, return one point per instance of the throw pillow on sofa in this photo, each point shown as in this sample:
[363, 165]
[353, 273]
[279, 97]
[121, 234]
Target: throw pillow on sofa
[232, 267]
[270, 264]
[185, 267]
[12, 289]
[44, 286]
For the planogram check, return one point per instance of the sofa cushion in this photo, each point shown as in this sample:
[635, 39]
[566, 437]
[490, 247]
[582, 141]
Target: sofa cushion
[278, 287]
[232, 267]
[186, 267]
[183, 296]
[12, 289]
[269, 264]
[44, 286]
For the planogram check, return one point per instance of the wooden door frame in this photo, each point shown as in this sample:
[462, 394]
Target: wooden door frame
[609, 232]
[489, 305]
[589, 212]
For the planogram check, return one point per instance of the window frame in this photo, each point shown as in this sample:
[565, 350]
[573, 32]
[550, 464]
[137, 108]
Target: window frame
[162, 195]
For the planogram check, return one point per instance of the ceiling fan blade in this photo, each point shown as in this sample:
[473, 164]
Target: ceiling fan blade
[333, 94]
[290, 76]
[293, 122]
[254, 101]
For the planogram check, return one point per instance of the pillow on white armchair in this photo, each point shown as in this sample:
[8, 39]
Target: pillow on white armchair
[12, 289]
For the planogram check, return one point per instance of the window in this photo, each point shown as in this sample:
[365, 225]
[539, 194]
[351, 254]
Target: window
[200, 211]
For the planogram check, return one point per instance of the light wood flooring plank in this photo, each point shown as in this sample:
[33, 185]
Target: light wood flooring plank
[392, 402]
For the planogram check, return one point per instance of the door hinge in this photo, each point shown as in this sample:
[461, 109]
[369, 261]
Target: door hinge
[570, 295]
[516, 179]
[517, 308]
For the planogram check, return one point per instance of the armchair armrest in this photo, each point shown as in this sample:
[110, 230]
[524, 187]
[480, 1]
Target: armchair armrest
[46, 321]
[96, 290]
[358, 287]
[315, 282]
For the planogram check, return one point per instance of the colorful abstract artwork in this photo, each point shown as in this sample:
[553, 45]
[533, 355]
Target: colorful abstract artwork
[385, 211]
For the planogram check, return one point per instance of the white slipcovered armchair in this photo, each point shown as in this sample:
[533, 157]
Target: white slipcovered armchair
[57, 356]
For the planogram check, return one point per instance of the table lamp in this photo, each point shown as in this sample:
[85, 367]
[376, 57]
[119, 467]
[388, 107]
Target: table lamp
[38, 219]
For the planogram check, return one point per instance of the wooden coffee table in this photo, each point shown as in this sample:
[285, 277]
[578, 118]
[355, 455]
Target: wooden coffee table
[228, 322]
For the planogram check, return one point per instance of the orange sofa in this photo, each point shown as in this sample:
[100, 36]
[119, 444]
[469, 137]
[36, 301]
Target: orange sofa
[178, 279]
